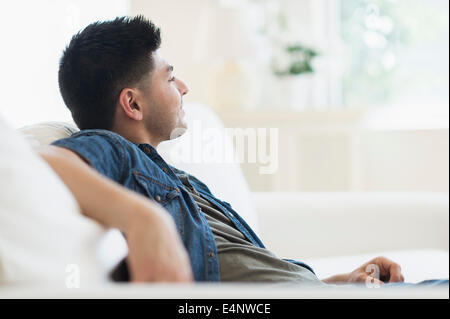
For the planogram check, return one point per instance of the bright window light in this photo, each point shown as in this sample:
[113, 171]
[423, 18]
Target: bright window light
[397, 55]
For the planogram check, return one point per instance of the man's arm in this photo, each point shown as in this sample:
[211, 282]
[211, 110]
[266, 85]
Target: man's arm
[156, 252]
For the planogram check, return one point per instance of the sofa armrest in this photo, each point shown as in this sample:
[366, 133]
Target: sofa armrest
[304, 225]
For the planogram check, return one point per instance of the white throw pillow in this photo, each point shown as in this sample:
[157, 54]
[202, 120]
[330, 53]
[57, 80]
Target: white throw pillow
[44, 239]
[47, 132]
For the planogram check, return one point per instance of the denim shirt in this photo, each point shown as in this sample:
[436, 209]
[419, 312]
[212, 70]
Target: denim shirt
[140, 168]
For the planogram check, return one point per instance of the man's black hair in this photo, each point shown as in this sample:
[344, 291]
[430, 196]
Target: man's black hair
[100, 61]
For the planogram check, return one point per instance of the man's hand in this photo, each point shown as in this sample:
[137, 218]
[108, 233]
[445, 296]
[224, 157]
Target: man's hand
[376, 271]
[155, 251]
[385, 269]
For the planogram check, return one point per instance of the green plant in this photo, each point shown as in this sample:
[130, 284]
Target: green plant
[299, 59]
[290, 57]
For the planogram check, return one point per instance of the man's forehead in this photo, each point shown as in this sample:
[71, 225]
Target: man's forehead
[160, 63]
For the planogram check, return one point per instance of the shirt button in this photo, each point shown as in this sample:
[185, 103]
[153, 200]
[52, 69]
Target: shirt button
[164, 170]
[146, 150]
[211, 255]
[158, 198]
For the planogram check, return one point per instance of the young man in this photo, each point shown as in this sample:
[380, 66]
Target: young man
[125, 99]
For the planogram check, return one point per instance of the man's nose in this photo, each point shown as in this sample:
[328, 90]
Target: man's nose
[182, 87]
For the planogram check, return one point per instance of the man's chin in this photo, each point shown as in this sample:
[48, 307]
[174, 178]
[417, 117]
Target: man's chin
[178, 131]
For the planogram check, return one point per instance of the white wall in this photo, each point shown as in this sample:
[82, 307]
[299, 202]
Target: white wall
[333, 151]
[34, 34]
[414, 160]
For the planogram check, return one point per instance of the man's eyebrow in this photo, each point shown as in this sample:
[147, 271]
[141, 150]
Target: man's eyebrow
[169, 68]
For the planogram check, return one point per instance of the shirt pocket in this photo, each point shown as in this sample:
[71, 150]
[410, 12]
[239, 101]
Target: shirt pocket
[166, 195]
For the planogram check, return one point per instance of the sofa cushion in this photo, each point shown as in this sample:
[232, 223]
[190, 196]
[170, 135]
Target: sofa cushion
[43, 235]
[47, 132]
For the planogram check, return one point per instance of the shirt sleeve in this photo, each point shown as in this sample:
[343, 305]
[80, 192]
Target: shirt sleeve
[299, 263]
[102, 150]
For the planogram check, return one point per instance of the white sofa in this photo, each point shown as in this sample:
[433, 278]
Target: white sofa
[333, 232]
[336, 232]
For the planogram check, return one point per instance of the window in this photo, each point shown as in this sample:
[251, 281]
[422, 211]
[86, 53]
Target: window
[396, 52]
[376, 54]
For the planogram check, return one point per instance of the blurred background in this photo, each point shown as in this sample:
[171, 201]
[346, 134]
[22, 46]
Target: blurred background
[357, 88]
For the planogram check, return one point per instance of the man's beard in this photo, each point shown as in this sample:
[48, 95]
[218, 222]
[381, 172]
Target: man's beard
[179, 130]
[180, 127]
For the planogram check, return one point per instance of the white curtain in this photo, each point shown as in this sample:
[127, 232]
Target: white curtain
[316, 23]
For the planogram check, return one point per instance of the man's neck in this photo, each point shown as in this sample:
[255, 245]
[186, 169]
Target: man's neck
[137, 137]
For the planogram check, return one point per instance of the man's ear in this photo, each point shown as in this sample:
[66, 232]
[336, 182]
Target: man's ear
[128, 102]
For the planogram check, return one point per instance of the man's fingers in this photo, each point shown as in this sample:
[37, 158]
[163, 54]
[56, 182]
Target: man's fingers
[395, 273]
[373, 281]
[389, 269]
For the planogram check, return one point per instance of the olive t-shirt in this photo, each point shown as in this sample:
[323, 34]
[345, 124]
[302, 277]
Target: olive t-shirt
[240, 260]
